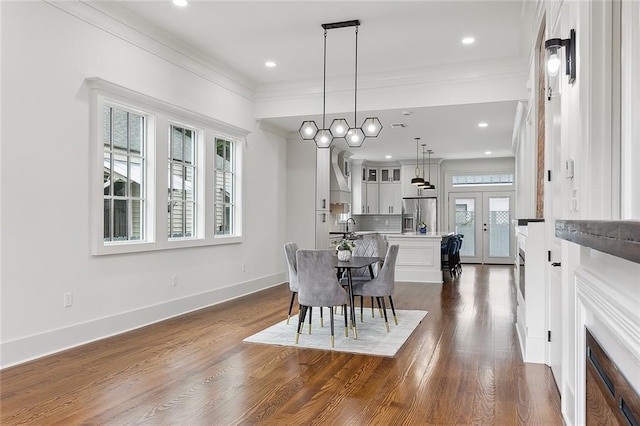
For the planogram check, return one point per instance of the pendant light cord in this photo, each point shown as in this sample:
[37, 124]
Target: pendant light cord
[417, 159]
[355, 95]
[423, 145]
[324, 82]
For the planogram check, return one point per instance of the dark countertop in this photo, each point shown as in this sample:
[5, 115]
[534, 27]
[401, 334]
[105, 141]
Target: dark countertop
[525, 222]
[619, 238]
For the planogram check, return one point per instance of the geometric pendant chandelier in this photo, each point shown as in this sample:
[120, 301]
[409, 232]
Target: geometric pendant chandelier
[340, 128]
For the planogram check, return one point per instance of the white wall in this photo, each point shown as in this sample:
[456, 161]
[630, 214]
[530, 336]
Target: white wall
[586, 136]
[46, 56]
[301, 181]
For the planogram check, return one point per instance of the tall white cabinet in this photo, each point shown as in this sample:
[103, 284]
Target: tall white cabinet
[323, 159]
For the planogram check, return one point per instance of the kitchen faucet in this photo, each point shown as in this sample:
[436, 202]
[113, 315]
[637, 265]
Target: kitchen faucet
[347, 223]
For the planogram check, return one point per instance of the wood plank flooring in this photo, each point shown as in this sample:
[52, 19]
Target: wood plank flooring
[462, 365]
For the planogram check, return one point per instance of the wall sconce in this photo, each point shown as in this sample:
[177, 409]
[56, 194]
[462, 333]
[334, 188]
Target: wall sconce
[553, 62]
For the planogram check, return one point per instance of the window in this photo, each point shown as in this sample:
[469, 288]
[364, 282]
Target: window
[490, 179]
[123, 175]
[224, 198]
[182, 183]
[162, 177]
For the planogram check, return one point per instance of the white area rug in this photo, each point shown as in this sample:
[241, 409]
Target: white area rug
[373, 338]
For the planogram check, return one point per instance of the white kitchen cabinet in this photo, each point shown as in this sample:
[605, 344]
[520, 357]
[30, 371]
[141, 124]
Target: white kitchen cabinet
[322, 230]
[389, 175]
[373, 198]
[390, 198]
[372, 175]
[358, 187]
[323, 160]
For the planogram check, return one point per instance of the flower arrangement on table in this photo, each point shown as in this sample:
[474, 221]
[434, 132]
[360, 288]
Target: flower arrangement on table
[423, 227]
[344, 248]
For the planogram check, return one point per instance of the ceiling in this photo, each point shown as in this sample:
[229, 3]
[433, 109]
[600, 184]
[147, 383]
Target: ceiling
[412, 39]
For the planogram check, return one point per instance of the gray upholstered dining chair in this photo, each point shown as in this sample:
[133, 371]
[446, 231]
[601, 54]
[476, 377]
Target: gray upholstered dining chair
[382, 285]
[366, 247]
[319, 286]
[290, 250]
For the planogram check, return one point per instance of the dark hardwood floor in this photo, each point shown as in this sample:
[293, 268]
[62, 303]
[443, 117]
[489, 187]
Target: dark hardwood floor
[462, 365]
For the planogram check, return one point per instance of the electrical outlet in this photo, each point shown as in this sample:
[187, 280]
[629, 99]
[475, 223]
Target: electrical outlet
[174, 280]
[68, 300]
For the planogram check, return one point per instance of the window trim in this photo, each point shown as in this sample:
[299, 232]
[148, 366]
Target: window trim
[158, 116]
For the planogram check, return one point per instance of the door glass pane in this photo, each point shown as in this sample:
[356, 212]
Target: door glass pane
[466, 225]
[499, 233]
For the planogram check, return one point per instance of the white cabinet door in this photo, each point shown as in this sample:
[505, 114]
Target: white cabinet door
[372, 198]
[386, 198]
[395, 175]
[390, 199]
[396, 200]
[372, 175]
[322, 178]
[358, 188]
[322, 230]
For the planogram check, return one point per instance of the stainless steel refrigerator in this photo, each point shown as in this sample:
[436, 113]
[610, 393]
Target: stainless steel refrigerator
[419, 209]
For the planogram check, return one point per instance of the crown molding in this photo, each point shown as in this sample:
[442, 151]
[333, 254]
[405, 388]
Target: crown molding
[466, 72]
[117, 21]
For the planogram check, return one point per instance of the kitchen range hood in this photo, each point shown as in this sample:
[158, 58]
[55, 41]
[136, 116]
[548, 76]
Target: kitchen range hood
[339, 191]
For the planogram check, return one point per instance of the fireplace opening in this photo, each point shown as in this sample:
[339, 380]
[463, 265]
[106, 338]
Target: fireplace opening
[610, 398]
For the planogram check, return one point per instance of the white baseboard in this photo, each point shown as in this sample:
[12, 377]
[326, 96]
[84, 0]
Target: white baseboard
[36, 346]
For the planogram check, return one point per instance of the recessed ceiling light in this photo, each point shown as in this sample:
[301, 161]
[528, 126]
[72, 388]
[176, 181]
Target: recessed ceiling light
[181, 3]
[468, 40]
[483, 124]
[388, 157]
[487, 153]
[270, 64]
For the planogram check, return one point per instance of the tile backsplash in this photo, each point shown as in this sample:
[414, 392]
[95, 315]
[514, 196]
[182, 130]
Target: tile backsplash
[378, 222]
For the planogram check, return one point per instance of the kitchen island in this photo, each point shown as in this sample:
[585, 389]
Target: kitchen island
[419, 256]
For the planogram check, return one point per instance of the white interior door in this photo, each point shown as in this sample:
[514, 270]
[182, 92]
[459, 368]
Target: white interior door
[484, 219]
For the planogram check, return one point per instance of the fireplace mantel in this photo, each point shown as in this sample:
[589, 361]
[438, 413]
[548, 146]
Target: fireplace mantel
[607, 297]
[619, 238]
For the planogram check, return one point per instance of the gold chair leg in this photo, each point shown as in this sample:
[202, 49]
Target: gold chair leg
[321, 322]
[332, 342]
[309, 328]
[297, 337]
[288, 317]
[355, 334]
[387, 325]
[346, 332]
[395, 319]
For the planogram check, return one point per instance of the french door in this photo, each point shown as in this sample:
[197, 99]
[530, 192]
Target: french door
[484, 218]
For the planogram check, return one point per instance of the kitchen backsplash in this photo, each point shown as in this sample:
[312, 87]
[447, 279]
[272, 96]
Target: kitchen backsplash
[378, 222]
